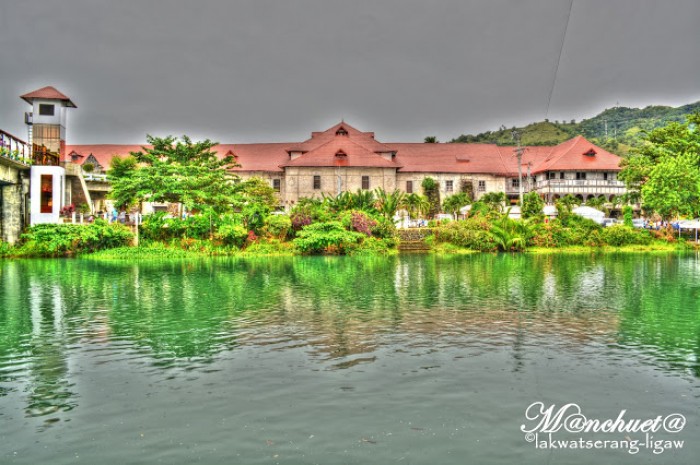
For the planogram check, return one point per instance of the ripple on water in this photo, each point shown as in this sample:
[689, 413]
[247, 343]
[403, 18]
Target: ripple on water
[337, 360]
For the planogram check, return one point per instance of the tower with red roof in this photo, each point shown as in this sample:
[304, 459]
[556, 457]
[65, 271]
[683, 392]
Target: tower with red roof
[47, 129]
[47, 124]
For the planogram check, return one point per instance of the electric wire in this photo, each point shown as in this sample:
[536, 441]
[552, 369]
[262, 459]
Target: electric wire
[561, 50]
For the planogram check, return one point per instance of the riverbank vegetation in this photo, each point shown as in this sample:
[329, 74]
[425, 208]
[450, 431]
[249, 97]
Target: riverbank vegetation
[219, 214]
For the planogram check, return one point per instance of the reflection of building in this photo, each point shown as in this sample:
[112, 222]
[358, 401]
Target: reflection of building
[343, 158]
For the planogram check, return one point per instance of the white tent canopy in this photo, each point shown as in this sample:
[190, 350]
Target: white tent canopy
[590, 213]
[550, 210]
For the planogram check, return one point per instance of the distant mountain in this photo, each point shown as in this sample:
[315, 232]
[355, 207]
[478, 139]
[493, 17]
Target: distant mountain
[616, 129]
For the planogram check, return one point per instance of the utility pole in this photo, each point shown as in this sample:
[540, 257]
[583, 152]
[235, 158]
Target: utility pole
[605, 120]
[519, 154]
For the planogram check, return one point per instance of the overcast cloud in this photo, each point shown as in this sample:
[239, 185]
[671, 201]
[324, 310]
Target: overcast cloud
[253, 71]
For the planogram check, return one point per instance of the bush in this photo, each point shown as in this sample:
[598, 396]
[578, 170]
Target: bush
[627, 216]
[53, 240]
[330, 238]
[232, 234]
[472, 233]
[372, 245]
[578, 229]
[620, 234]
[385, 229]
[532, 206]
[359, 221]
[278, 226]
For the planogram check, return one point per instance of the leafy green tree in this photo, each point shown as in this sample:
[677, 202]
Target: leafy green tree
[431, 191]
[627, 216]
[257, 190]
[673, 186]
[176, 171]
[532, 206]
[430, 140]
[658, 145]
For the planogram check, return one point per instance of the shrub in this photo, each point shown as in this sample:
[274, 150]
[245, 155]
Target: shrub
[330, 237]
[372, 245]
[52, 240]
[232, 234]
[278, 226]
[300, 219]
[472, 233]
[620, 234]
[359, 221]
[385, 229]
[532, 206]
[627, 216]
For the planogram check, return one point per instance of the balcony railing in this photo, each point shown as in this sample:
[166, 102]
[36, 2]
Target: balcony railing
[578, 183]
[13, 148]
[95, 177]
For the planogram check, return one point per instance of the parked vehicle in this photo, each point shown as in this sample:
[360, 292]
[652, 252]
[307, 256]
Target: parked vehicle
[609, 222]
[638, 223]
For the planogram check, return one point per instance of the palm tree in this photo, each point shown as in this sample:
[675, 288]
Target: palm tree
[416, 204]
[364, 200]
[599, 203]
[568, 202]
[388, 203]
[508, 234]
[494, 200]
[453, 203]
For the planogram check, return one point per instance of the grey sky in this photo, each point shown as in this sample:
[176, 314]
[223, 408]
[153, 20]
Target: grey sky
[253, 71]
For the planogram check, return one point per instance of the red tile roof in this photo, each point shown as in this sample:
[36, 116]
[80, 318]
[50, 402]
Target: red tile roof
[257, 157]
[449, 158]
[354, 154]
[365, 139]
[102, 152]
[362, 150]
[579, 154]
[48, 93]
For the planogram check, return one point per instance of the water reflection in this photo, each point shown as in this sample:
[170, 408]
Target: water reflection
[184, 315]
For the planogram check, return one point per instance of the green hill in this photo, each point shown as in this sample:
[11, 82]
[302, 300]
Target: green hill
[624, 128]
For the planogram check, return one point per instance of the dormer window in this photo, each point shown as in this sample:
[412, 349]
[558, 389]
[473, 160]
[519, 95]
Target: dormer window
[590, 153]
[340, 153]
[341, 132]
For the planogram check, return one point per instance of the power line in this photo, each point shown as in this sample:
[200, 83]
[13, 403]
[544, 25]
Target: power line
[561, 50]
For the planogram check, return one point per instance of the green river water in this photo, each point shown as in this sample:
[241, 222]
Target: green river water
[338, 360]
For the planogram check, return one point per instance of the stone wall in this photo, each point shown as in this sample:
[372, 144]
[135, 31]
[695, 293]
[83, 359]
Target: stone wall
[12, 190]
[299, 181]
[492, 183]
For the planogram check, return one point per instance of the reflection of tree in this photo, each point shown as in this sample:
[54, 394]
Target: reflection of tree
[182, 313]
